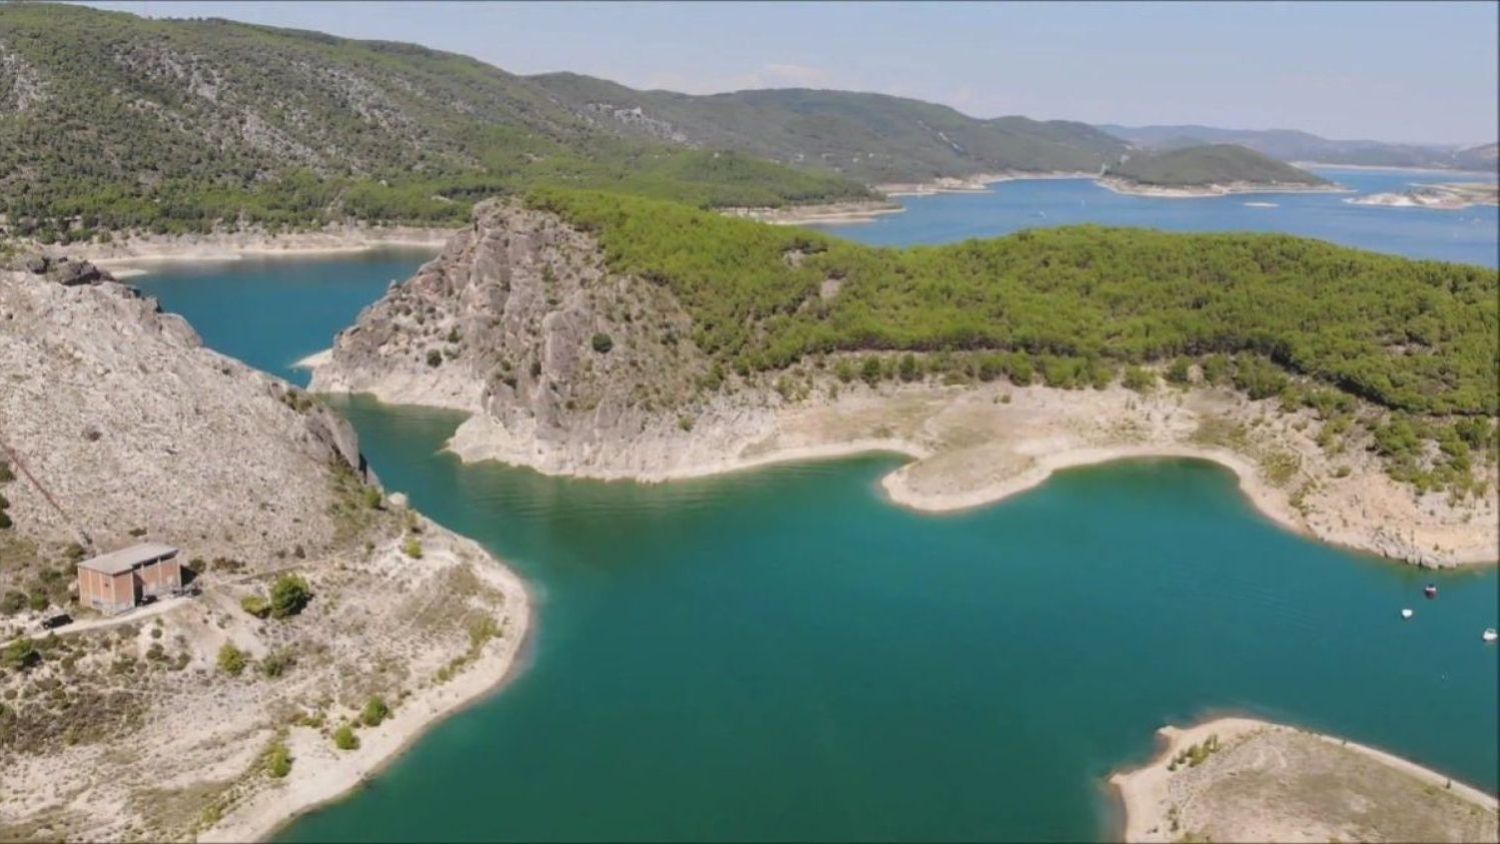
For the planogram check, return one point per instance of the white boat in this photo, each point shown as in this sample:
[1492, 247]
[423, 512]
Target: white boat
[1489, 635]
[1406, 613]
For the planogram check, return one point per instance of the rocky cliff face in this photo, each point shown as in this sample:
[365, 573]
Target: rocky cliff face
[566, 366]
[118, 426]
[126, 426]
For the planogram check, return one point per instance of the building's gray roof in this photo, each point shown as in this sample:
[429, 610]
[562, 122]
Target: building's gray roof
[126, 559]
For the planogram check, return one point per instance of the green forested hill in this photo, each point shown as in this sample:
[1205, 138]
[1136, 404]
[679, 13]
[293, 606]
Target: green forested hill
[129, 122]
[1209, 165]
[1073, 303]
[870, 137]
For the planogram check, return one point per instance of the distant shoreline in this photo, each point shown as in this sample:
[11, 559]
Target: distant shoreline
[1445, 170]
[1131, 188]
[976, 183]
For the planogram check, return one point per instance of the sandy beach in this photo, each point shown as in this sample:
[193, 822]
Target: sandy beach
[1234, 791]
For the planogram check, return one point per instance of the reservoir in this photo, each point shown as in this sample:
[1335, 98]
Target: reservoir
[782, 655]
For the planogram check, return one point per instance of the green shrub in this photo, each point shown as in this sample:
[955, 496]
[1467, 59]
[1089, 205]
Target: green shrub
[374, 712]
[1180, 372]
[12, 602]
[434, 358]
[602, 343]
[1139, 380]
[231, 660]
[20, 654]
[277, 663]
[412, 547]
[6, 475]
[345, 739]
[289, 595]
[278, 761]
[256, 605]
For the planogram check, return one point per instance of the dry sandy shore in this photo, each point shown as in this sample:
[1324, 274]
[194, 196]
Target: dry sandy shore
[127, 257]
[1269, 782]
[1129, 188]
[839, 212]
[977, 183]
[322, 774]
[979, 445]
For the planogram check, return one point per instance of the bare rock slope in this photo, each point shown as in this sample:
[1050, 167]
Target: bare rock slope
[196, 717]
[565, 366]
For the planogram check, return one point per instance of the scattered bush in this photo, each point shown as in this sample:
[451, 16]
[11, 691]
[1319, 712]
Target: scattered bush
[277, 663]
[345, 739]
[602, 343]
[434, 358]
[1139, 380]
[374, 712]
[20, 654]
[12, 602]
[256, 605]
[412, 547]
[278, 761]
[289, 594]
[231, 660]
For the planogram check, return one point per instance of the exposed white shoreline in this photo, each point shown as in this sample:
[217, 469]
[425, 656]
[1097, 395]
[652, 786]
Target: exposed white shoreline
[977, 183]
[126, 258]
[1128, 188]
[314, 360]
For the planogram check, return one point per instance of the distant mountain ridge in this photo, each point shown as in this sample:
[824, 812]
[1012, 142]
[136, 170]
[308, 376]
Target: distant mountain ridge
[110, 122]
[869, 137]
[1297, 146]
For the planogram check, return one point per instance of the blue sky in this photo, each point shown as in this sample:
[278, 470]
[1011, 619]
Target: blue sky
[1389, 71]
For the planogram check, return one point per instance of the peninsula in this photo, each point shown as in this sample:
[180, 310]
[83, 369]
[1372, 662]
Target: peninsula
[321, 624]
[1239, 779]
[603, 336]
[1213, 170]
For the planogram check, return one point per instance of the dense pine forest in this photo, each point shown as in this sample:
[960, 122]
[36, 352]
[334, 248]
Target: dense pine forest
[1072, 305]
[1205, 165]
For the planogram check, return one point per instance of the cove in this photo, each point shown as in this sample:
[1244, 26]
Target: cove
[782, 655]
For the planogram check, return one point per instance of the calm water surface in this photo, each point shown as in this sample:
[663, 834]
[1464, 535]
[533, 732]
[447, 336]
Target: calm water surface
[1468, 236]
[781, 655]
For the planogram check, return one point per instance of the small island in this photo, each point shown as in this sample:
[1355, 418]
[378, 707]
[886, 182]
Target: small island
[1209, 170]
[1240, 779]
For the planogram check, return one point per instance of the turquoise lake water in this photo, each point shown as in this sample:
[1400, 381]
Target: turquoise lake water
[1469, 235]
[782, 655]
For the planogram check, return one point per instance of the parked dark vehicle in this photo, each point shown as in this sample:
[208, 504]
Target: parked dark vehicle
[55, 621]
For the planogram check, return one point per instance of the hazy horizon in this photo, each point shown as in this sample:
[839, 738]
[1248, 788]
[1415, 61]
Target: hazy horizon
[1322, 68]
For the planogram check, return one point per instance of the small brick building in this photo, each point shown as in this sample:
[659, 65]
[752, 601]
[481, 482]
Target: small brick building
[117, 581]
